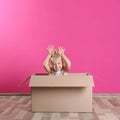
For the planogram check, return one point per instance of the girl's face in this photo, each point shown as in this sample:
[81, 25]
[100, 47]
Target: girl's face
[57, 64]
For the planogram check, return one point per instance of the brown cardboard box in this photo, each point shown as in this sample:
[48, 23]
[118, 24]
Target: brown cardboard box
[68, 93]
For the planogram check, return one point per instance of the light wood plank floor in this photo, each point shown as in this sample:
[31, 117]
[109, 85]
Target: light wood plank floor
[19, 108]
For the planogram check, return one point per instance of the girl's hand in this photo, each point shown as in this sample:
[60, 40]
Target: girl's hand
[61, 50]
[51, 49]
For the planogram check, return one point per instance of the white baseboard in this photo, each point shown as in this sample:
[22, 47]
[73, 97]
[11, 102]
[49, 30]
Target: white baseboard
[106, 94]
[28, 94]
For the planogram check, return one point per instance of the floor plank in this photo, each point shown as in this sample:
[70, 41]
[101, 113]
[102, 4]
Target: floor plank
[19, 108]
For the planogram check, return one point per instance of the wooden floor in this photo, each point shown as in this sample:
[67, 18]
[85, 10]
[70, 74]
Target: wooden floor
[19, 108]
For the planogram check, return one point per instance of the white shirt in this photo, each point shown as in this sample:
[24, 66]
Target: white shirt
[58, 73]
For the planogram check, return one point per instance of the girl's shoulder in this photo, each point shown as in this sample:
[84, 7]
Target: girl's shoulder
[64, 72]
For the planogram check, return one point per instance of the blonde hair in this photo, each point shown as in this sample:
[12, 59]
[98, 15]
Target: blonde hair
[55, 56]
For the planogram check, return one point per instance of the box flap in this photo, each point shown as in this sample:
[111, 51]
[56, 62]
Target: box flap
[70, 80]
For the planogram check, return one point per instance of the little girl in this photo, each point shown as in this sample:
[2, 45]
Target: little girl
[56, 62]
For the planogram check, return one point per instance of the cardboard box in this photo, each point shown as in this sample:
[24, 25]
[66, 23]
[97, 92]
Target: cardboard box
[68, 93]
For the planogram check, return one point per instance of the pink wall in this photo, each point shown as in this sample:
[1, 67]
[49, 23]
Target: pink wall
[88, 29]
